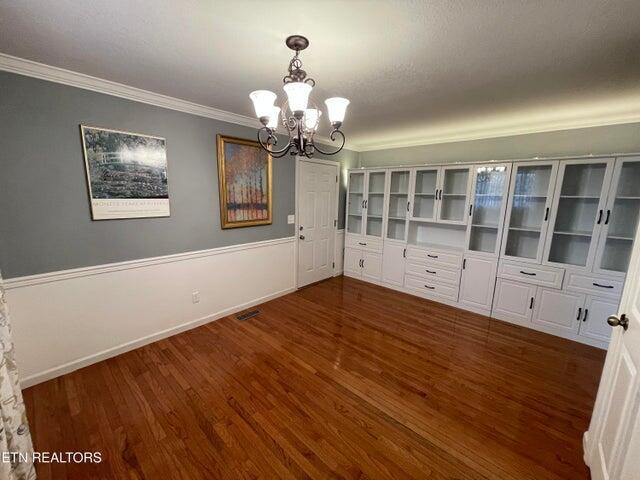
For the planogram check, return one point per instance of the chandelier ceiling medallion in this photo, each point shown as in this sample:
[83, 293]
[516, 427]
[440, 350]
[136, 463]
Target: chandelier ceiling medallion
[299, 115]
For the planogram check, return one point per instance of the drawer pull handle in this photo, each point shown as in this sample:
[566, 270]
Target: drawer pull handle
[602, 286]
[432, 256]
[546, 214]
[528, 273]
[606, 222]
[404, 253]
[579, 313]
[430, 271]
[586, 312]
[430, 288]
[599, 217]
[362, 243]
[531, 304]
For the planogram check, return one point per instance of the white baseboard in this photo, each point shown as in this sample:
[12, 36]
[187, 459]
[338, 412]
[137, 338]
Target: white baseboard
[66, 320]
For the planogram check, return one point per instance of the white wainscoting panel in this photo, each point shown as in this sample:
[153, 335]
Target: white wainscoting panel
[339, 255]
[66, 320]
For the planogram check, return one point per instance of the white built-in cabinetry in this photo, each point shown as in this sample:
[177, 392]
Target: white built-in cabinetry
[543, 244]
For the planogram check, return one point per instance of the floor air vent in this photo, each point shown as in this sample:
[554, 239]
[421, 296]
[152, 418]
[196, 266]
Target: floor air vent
[247, 315]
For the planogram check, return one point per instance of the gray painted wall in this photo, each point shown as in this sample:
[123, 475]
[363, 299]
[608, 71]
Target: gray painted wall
[597, 140]
[45, 218]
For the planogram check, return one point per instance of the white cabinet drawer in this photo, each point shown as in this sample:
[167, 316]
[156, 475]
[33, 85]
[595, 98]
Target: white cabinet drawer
[435, 256]
[429, 271]
[436, 288]
[534, 274]
[594, 285]
[362, 243]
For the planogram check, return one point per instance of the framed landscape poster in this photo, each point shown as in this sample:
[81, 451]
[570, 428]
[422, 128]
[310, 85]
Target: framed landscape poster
[126, 174]
[244, 179]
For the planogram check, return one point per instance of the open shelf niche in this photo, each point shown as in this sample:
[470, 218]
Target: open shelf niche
[437, 235]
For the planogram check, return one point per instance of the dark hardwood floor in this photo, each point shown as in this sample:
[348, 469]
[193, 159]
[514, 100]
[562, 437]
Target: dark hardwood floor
[342, 379]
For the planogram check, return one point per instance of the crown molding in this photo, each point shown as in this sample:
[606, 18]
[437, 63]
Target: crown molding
[29, 68]
[595, 120]
[50, 73]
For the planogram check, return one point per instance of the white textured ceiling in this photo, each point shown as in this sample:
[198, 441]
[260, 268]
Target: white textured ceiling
[414, 70]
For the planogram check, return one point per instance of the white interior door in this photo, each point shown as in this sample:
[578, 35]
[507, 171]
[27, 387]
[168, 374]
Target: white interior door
[316, 227]
[613, 440]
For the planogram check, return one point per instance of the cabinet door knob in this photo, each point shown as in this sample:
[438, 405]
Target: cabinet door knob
[614, 321]
[301, 237]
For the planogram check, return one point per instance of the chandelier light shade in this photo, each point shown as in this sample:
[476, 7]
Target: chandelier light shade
[298, 96]
[263, 102]
[298, 114]
[312, 119]
[336, 107]
[273, 118]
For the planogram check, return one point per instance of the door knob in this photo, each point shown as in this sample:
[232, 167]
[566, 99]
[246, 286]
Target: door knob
[301, 237]
[614, 321]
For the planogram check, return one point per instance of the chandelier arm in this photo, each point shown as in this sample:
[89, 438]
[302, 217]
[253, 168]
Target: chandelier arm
[333, 138]
[272, 140]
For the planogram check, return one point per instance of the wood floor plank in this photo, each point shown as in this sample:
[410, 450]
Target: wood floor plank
[342, 379]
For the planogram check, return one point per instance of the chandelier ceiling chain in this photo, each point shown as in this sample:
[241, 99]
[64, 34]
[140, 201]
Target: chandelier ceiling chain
[296, 115]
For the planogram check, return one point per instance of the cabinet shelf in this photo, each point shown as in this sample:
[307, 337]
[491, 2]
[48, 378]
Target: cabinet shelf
[373, 216]
[526, 195]
[480, 225]
[398, 218]
[627, 198]
[494, 195]
[376, 193]
[577, 234]
[585, 197]
[458, 195]
[356, 193]
[399, 193]
[617, 237]
[418, 194]
[525, 229]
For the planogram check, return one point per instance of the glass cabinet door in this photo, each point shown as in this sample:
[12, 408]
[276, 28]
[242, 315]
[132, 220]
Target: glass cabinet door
[424, 194]
[577, 211]
[398, 204]
[355, 203]
[529, 196]
[620, 218]
[453, 195]
[487, 207]
[374, 203]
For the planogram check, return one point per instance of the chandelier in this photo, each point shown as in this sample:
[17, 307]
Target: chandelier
[299, 114]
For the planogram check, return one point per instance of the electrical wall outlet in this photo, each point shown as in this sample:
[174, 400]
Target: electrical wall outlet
[291, 219]
[195, 297]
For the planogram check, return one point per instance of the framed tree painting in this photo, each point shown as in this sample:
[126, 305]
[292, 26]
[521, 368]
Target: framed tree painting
[245, 183]
[126, 174]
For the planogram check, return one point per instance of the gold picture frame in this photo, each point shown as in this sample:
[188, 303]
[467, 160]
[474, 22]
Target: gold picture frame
[245, 194]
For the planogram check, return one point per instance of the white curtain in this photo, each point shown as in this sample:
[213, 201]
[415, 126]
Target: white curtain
[15, 439]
